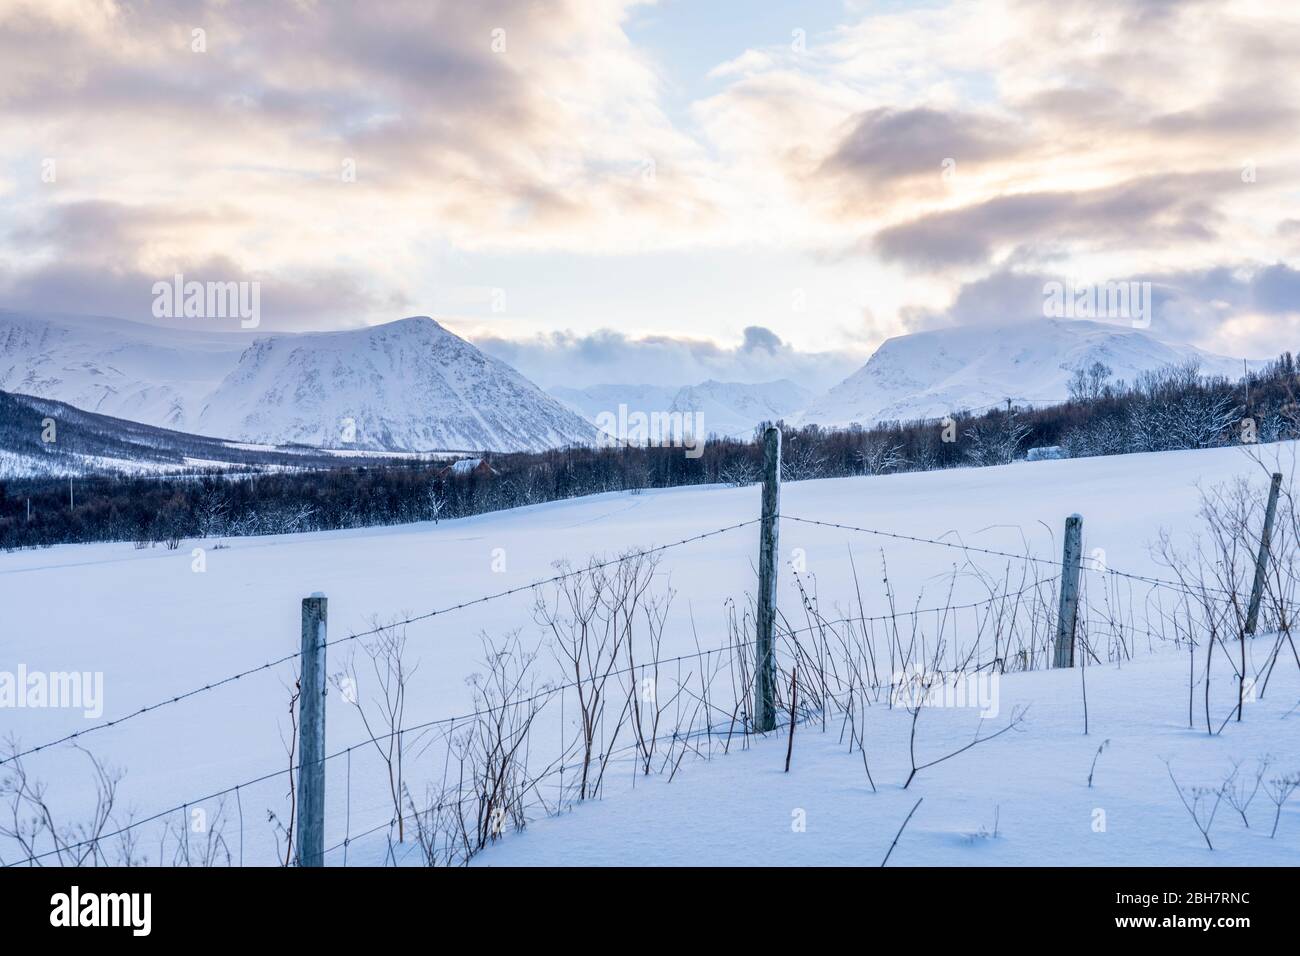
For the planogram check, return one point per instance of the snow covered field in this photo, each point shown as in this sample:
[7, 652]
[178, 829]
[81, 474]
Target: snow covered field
[1020, 800]
[155, 627]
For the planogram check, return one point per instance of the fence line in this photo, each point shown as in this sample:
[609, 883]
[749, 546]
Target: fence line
[544, 694]
[548, 692]
[1157, 582]
[166, 702]
[213, 685]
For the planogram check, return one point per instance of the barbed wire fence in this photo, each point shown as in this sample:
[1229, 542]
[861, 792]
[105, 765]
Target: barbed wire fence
[646, 717]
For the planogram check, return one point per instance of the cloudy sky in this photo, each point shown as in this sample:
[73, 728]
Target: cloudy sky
[606, 190]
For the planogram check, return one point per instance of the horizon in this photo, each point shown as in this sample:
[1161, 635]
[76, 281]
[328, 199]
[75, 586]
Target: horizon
[503, 352]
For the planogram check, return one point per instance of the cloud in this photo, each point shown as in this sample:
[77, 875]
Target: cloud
[329, 138]
[1003, 297]
[1258, 305]
[608, 356]
[885, 145]
[1159, 208]
[758, 339]
[103, 258]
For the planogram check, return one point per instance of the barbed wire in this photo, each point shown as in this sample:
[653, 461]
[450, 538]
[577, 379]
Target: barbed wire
[587, 568]
[545, 693]
[917, 612]
[213, 685]
[269, 665]
[596, 757]
[899, 536]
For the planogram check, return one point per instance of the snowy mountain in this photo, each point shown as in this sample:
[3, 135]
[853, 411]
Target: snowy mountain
[730, 409]
[591, 401]
[734, 408]
[145, 373]
[931, 374]
[407, 385]
[89, 443]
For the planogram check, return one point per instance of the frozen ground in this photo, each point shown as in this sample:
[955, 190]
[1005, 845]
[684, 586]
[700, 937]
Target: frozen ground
[1029, 786]
[154, 627]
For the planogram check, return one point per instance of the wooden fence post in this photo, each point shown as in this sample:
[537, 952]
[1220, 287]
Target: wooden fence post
[311, 734]
[1261, 562]
[1066, 617]
[769, 531]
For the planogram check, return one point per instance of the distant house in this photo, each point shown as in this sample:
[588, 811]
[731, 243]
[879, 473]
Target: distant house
[468, 466]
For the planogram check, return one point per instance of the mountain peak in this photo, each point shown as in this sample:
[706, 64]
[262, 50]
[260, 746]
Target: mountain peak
[411, 325]
[408, 385]
[938, 372]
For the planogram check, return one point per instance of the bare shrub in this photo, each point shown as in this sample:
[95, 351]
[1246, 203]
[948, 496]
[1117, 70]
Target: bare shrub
[36, 829]
[382, 712]
[1201, 803]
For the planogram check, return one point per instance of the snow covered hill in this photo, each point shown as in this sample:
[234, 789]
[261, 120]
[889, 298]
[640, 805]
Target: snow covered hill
[408, 385]
[729, 409]
[931, 374]
[150, 374]
[87, 443]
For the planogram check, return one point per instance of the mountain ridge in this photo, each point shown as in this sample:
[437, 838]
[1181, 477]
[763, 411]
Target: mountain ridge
[929, 374]
[407, 385]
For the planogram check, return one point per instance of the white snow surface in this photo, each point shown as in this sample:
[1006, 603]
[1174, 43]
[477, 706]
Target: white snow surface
[1029, 786]
[931, 374]
[154, 628]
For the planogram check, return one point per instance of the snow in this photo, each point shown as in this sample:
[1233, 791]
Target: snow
[408, 385]
[465, 466]
[155, 627]
[1032, 785]
[156, 374]
[940, 372]
[71, 464]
